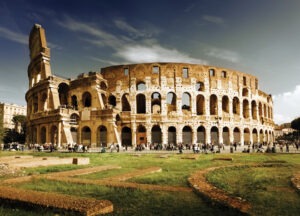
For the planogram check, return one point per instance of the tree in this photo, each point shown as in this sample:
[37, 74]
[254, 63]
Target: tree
[295, 124]
[20, 119]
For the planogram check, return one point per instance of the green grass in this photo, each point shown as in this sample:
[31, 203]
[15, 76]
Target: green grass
[249, 183]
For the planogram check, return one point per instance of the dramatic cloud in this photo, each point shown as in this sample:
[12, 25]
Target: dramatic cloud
[213, 19]
[224, 54]
[13, 36]
[287, 106]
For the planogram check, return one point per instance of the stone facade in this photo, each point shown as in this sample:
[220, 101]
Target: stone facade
[8, 111]
[144, 103]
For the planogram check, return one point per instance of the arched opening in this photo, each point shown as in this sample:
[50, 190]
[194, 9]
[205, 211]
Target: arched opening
[246, 136]
[155, 103]
[254, 136]
[213, 105]
[245, 92]
[269, 116]
[112, 100]
[200, 86]
[141, 135]
[270, 137]
[200, 104]
[102, 136]
[44, 102]
[265, 111]
[254, 110]
[225, 104]
[63, 91]
[186, 101]
[266, 139]
[214, 135]
[156, 134]
[225, 136]
[187, 135]
[103, 86]
[201, 135]
[87, 99]
[141, 86]
[125, 103]
[140, 103]
[43, 135]
[172, 135]
[126, 136]
[86, 136]
[245, 108]
[171, 102]
[35, 103]
[261, 136]
[236, 135]
[236, 106]
[74, 134]
[74, 102]
[34, 136]
[54, 135]
[74, 119]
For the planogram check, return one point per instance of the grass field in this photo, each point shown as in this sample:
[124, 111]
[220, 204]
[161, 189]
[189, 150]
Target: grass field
[267, 189]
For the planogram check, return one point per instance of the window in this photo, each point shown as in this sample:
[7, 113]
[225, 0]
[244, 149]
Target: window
[155, 69]
[224, 74]
[211, 72]
[244, 81]
[185, 72]
[126, 70]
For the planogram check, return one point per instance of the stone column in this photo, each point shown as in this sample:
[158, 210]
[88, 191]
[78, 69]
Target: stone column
[133, 135]
[178, 134]
[59, 130]
[219, 102]
[220, 134]
[164, 134]
[194, 141]
[148, 133]
[242, 137]
[231, 137]
[148, 103]
[38, 137]
[194, 104]
[230, 108]
[207, 135]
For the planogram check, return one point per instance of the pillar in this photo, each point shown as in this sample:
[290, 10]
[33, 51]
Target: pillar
[133, 134]
[194, 141]
[207, 135]
[59, 131]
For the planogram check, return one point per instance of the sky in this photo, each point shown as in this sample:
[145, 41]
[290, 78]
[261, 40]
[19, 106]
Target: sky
[259, 37]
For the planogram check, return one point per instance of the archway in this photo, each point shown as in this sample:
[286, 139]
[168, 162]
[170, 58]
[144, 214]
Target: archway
[225, 135]
[254, 110]
[103, 86]
[140, 86]
[43, 135]
[86, 99]
[201, 135]
[236, 135]
[126, 136]
[225, 104]
[199, 86]
[171, 102]
[102, 136]
[125, 102]
[112, 100]
[245, 92]
[140, 103]
[187, 135]
[74, 102]
[246, 136]
[261, 136]
[155, 103]
[246, 109]
[156, 134]
[236, 106]
[86, 136]
[141, 135]
[254, 136]
[200, 104]
[63, 92]
[214, 135]
[213, 105]
[172, 135]
[186, 101]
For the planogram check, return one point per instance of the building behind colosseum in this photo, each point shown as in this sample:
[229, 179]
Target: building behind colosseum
[144, 103]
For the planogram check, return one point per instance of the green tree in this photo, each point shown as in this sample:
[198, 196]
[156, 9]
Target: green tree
[295, 124]
[20, 119]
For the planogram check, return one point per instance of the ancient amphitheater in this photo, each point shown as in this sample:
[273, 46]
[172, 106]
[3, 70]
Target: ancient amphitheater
[144, 103]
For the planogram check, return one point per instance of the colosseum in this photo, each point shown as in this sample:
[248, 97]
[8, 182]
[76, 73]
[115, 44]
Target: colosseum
[148, 103]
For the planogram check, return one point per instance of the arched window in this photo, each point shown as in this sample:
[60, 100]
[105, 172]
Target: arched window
[246, 108]
[186, 101]
[35, 103]
[87, 99]
[102, 136]
[63, 91]
[187, 135]
[112, 100]
[254, 136]
[225, 136]
[254, 109]
[201, 135]
[140, 103]
[103, 86]
[225, 104]
[74, 102]
[246, 136]
[126, 136]
[236, 106]
[86, 136]
[172, 135]
[155, 103]
[214, 134]
[171, 102]
[156, 134]
[236, 135]
[125, 102]
[245, 92]
[260, 110]
[141, 86]
[213, 105]
[200, 104]
[200, 86]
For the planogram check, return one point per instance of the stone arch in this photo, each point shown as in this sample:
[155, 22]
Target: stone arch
[54, 135]
[35, 103]
[156, 134]
[213, 102]
[74, 134]
[261, 136]
[140, 103]
[225, 135]
[43, 135]
[141, 135]
[214, 135]
[102, 136]
[126, 136]
[125, 102]
[187, 135]
[200, 86]
[171, 101]
[186, 101]
[246, 136]
[103, 86]
[201, 136]
[254, 136]
[225, 104]
[74, 102]
[172, 135]
[44, 103]
[63, 92]
[141, 86]
[265, 111]
[245, 92]
[87, 99]
[200, 104]
[74, 119]
[156, 103]
[236, 106]
[246, 108]
[86, 136]
[236, 135]
[112, 100]
[254, 110]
